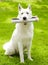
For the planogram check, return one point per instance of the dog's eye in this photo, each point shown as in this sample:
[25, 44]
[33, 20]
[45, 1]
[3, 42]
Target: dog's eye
[27, 12]
[22, 13]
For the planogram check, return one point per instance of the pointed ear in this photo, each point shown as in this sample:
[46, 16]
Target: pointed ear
[29, 7]
[19, 7]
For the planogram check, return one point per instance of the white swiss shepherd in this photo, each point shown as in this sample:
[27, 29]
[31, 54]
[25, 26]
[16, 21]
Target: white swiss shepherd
[22, 36]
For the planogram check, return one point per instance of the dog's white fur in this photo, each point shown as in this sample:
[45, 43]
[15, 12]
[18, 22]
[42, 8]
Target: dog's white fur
[22, 36]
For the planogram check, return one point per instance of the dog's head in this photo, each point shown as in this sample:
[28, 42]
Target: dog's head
[24, 14]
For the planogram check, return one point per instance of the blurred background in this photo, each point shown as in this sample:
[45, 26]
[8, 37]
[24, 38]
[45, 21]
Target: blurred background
[39, 50]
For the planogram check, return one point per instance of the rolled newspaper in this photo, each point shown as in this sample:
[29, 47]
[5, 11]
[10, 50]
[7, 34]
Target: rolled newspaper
[33, 19]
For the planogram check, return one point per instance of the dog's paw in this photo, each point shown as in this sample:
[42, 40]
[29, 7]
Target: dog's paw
[22, 61]
[30, 59]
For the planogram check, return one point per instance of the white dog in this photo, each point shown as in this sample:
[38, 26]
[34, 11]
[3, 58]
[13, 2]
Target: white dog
[22, 36]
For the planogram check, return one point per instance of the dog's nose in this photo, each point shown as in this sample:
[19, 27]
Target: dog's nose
[24, 18]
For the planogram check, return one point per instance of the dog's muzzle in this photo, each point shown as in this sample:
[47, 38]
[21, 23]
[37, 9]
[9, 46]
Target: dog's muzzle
[24, 18]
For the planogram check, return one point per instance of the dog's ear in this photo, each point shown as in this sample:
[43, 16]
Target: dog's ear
[19, 7]
[29, 6]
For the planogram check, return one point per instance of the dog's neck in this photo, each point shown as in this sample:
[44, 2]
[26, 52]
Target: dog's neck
[24, 25]
[21, 26]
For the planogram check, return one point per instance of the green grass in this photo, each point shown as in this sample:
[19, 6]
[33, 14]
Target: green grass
[39, 48]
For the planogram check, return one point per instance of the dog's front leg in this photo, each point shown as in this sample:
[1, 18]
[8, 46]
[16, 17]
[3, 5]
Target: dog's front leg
[29, 52]
[20, 48]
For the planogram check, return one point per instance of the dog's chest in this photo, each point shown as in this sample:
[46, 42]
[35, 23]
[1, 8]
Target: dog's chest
[25, 32]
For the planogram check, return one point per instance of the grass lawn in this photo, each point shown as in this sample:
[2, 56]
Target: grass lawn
[39, 48]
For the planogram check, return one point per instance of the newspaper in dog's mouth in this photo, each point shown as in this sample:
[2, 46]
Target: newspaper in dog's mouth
[17, 20]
